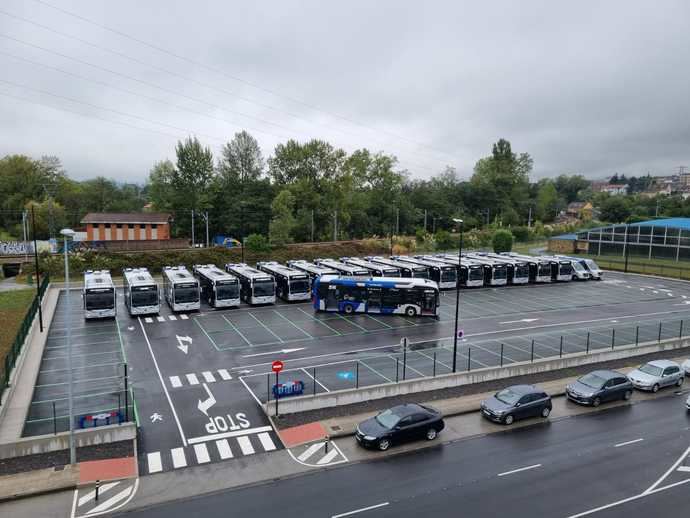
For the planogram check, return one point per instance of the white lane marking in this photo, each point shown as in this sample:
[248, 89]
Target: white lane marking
[111, 501]
[668, 472]
[148, 320]
[629, 499]
[316, 381]
[266, 442]
[172, 317]
[178, 458]
[521, 320]
[245, 445]
[310, 451]
[184, 317]
[685, 469]
[350, 513]
[192, 379]
[224, 449]
[154, 462]
[328, 457]
[519, 470]
[175, 381]
[201, 453]
[627, 442]
[160, 319]
[208, 377]
[92, 494]
[165, 389]
[226, 435]
[224, 374]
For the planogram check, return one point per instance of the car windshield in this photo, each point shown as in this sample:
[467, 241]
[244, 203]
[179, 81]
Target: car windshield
[508, 397]
[183, 294]
[650, 369]
[592, 380]
[387, 419]
[263, 288]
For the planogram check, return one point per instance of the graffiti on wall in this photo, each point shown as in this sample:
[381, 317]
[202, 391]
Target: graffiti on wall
[16, 247]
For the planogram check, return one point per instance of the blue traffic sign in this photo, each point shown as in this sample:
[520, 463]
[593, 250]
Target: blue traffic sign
[346, 375]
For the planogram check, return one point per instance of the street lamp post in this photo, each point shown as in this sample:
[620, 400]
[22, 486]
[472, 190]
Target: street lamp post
[68, 232]
[457, 298]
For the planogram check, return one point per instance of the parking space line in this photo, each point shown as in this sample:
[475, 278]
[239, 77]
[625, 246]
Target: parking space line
[406, 365]
[264, 326]
[312, 317]
[234, 327]
[350, 322]
[84, 367]
[207, 335]
[316, 381]
[78, 396]
[362, 362]
[379, 321]
[85, 380]
[80, 355]
[437, 360]
[292, 323]
[74, 346]
[519, 470]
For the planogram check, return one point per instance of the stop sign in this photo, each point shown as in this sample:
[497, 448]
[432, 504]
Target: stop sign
[277, 366]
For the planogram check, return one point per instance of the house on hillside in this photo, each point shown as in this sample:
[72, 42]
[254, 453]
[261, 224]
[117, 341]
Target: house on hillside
[611, 188]
[580, 210]
[127, 226]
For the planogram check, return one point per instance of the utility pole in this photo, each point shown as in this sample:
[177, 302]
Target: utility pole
[312, 225]
[206, 218]
[335, 225]
[26, 238]
[529, 218]
[425, 221]
[193, 242]
[38, 275]
[397, 222]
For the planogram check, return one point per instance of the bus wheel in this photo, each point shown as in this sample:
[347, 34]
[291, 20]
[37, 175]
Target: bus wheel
[410, 311]
[349, 309]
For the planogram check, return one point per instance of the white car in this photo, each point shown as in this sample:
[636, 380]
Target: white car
[686, 367]
[656, 374]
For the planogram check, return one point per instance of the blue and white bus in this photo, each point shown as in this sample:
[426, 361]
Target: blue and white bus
[384, 295]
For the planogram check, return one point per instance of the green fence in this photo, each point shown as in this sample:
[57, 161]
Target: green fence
[661, 268]
[24, 328]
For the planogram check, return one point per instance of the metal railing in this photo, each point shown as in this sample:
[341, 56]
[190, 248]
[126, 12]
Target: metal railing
[24, 328]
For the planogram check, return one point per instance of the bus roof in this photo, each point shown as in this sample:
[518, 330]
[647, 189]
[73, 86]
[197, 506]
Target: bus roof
[364, 263]
[246, 271]
[212, 272]
[97, 279]
[177, 274]
[397, 264]
[349, 268]
[306, 266]
[384, 282]
[280, 269]
[423, 262]
[138, 277]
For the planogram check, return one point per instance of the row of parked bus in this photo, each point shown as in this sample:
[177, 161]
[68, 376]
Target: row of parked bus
[374, 284]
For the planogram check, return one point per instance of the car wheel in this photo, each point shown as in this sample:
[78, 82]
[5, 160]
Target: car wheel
[679, 382]
[410, 311]
[431, 434]
[349, 309]
[545, 412]
[627, 395]
[596, 402]
[384, 444]
[655, 388]
[508, 419]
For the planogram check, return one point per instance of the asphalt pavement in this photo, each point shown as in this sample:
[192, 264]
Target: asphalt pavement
[561, 468]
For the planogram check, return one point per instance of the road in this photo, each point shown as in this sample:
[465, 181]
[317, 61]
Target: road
[560, 468]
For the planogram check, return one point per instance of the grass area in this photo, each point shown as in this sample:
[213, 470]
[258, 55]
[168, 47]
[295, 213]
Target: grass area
[661, 267]
[524, 248]
[13, 307]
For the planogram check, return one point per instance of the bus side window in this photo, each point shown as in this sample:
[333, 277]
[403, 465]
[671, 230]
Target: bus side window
[323, 290]
[392, 297]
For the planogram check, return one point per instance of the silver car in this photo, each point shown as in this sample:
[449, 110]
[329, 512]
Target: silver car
[686, 367]
[687, 403]
[657, 374]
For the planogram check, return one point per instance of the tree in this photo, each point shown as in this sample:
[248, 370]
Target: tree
[615, 209]
[569, 186]
[548, 203]
[241, 159]
[502, 241]
[283, 222]
[159, 185]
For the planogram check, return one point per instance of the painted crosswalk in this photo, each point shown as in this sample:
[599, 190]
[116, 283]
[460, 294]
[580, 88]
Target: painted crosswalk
[318, 454]
[194, 378]
[210, 451]
[169, 318]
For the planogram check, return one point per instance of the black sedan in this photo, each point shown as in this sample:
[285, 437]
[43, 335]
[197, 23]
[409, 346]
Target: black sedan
[599, 387]
[398, 424]
[516, 402]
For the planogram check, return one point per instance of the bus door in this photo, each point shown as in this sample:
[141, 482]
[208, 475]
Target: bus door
[331, 298]
[429, 302]
[374, 300]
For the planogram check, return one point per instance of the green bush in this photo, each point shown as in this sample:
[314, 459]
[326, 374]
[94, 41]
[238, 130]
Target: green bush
[503, 241]
[257, 243]
[520, 233]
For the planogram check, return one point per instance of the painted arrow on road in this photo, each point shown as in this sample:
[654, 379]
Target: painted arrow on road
[521, 320]
[205, 405]
[183, 343]
[282, 351]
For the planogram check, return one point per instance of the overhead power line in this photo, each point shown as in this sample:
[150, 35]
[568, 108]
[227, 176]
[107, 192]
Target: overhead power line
[184, 78]
[236, 78]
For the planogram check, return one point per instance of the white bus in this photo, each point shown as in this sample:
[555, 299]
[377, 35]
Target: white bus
[181, 289]
[471, 275]
[98, 295]
[218, 288]
[344, 269]
[256, 287]
[377, 270]
[495, 272]
[563, 269]
[539, 269]
[445, 275]
[518, 269]
[291, 283]
[406, 269]
[313, 270]
[140, 292]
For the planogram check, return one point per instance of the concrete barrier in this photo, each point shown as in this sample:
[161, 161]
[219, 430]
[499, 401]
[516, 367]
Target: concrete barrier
[60, 441]
[335, 398]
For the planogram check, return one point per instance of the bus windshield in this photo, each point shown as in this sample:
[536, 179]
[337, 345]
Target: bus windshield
[522, 270]
[186, 293]
[231, 290]
[422, 273]
[544, 269]
[263, 288]
[500, 273]
[566, 269]
[448, 275]
[144, 296]
[101, 298]
[476, 274]
[299, 285]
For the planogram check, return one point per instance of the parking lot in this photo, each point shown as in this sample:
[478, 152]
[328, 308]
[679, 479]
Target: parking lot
[196, 380]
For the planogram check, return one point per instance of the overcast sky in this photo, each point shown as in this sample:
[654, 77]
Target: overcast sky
[584, 87]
